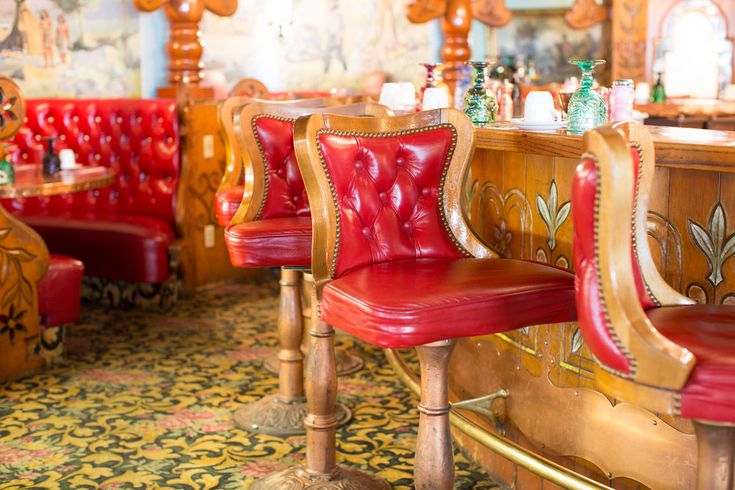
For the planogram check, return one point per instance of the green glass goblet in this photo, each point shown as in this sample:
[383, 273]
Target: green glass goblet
[479, 105]
[586, 107]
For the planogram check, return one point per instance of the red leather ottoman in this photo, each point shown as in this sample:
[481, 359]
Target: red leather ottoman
[59, 291]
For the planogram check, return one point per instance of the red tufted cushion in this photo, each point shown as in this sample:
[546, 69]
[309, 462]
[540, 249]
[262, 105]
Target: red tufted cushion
[270, 243]
[119, 247]
[285, 194]
[59, 291]
[413, 302]
[708, 331]
[589, 302]
[138, 138]
[386, 190]
[226, 204]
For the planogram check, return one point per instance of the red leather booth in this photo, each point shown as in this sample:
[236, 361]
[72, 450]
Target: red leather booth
[120, 232]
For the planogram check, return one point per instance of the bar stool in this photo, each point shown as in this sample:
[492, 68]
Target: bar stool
[396, 264]
[229, 194]
[273, 229]
[653, 346]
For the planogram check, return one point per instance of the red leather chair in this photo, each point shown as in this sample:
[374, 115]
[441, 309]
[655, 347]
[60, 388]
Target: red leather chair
[59, 296]
[229, 195]
[273, 229]
[396, 265]
[654, 346]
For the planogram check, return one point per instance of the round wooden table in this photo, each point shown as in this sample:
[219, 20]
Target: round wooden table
[30, 181]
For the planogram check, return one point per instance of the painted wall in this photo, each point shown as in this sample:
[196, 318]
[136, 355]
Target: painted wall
[71, 48]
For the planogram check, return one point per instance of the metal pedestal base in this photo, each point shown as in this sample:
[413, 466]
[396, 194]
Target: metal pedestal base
[342, 478]
[276, 416]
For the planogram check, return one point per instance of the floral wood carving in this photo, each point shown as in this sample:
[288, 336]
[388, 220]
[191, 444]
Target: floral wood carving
[552, 216]
[493, 13]
[667, 244]
[497, 210]
[185, 47]
[716, 246]
[585, 13]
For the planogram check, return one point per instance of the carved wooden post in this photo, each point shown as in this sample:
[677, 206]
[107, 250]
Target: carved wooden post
[24, 259]
[185, 47]
[456, 18]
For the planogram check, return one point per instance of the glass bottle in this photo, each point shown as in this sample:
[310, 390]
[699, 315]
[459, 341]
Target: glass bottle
[587, 108]
[7, 172]
[658, 94]
[621, 100]
[51, 162]
[479, 105]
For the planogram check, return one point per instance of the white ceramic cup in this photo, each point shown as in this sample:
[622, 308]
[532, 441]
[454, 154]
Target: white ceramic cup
[68, 159]
[539, 107]
[389, 95]
[642, 93]
[435, 98]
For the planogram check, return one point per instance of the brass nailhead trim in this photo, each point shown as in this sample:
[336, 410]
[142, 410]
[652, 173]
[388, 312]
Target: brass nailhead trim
[605, 314]
[266, 183]
[650, 294]
[391, 134]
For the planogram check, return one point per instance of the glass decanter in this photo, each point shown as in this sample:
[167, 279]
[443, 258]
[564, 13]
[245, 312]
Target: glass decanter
[430, 80]
[479, 105]
[587, 108]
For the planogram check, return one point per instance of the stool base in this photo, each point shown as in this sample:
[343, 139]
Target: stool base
[342, 478]
[277, 416]
[346, 363]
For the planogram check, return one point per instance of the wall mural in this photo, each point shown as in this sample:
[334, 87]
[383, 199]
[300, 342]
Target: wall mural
[71, 48]
[315, 44]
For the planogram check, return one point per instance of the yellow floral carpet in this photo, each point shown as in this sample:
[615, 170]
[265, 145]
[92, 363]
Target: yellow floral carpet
[145, 400]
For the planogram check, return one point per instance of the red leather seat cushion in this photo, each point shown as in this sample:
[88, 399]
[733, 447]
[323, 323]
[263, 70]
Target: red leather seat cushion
[226, 204]
[416, 301]
[117, 247]
[270, 242]
[58, 291]
[708, 331]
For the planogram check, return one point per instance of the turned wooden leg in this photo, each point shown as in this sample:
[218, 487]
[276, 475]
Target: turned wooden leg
[321, 469]
[716, 456]
[434, 462]
[321, 395]
[290, 331]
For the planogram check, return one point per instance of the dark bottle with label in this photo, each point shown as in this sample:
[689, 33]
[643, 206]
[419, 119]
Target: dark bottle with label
[51, 161]
[658, 94]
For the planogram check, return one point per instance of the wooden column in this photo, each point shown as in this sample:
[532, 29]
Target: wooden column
[456, 19]
[185, 47]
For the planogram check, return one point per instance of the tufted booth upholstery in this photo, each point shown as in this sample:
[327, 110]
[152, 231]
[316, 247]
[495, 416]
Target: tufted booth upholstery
[132, 219]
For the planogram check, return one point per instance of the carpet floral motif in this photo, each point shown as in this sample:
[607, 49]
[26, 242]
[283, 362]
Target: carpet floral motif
[145, 400]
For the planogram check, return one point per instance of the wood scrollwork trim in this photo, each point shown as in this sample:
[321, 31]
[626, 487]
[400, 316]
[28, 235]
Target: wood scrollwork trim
[585, 14]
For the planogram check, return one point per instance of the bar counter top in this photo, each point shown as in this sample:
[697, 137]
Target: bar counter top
[701, 149]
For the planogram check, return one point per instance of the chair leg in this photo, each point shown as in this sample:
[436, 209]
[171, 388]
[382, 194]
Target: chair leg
[434, 461]
[715, 456]
[321, 427]
[283, 414]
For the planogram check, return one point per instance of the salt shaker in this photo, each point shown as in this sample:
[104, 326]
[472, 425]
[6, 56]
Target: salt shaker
[621, 100]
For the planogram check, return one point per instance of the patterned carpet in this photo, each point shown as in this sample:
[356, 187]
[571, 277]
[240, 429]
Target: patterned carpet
[146, 400]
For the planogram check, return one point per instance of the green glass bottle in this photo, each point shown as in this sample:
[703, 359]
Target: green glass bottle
[479, 105]
[658, 94]
[7, 173]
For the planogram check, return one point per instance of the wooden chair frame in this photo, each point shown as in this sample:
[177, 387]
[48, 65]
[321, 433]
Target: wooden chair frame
[659, 367]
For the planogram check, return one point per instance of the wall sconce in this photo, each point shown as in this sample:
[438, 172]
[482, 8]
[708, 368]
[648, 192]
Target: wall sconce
[280, 16]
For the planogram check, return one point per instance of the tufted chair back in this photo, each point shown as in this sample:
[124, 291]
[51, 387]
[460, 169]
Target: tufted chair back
[273, 181]
[236, 161]
[385, 189]
[138, 138]
[616, 278]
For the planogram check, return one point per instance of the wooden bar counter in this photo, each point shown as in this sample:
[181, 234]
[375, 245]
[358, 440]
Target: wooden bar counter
[518, 197]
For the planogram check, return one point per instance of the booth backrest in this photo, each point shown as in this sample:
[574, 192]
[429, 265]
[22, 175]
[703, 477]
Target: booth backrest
[138, 138]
